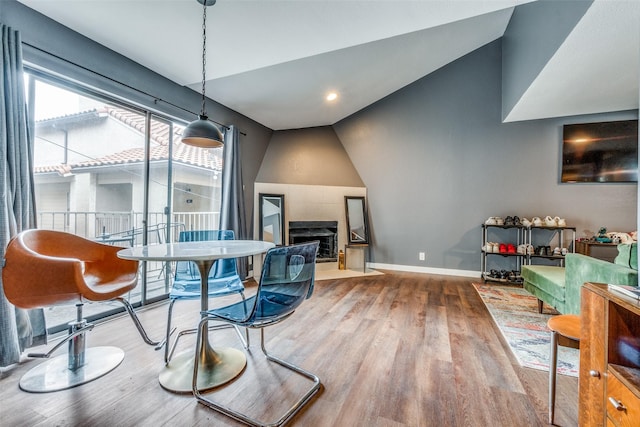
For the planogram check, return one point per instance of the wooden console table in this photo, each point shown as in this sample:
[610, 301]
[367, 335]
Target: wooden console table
[604, 251]
[609, 358]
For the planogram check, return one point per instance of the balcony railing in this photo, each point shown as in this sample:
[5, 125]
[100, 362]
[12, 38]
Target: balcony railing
[124, 229]
[92, 225]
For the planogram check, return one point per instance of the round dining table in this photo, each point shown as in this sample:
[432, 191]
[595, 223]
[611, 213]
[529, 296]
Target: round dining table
[216, 366]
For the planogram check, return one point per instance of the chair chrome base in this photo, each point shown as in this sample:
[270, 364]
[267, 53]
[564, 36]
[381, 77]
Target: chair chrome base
[216, 367]
[236, 415]
[54, 374]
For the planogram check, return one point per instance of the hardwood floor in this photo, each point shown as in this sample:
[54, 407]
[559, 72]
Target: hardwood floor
[399, 349]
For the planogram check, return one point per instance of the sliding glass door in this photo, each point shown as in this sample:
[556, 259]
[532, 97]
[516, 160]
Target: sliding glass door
[117, 174]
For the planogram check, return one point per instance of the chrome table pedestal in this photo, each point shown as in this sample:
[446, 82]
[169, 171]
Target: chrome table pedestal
[216, 367]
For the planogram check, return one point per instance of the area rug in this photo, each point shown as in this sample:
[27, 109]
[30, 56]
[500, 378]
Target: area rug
[515, 311]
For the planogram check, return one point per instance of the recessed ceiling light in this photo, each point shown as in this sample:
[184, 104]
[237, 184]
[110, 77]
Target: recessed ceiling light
[332, 96]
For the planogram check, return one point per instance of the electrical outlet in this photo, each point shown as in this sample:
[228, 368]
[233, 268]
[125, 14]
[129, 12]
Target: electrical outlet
[421, 256]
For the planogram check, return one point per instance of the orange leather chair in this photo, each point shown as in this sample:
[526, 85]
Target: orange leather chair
[44, 268]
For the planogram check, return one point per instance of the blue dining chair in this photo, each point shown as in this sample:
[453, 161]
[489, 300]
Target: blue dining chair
[286, 281]
[223, 280]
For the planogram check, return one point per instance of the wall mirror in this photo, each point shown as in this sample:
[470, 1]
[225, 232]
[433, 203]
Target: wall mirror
[271, 211]
[356, 211]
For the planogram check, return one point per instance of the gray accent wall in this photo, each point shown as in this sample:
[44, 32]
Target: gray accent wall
[312, 156]
[535, 32]
[437, 161]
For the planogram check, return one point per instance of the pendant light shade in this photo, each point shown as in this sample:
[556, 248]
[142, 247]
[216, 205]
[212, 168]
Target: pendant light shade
[203, 133]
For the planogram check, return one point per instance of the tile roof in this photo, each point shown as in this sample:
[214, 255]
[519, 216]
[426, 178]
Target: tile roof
[160, 138]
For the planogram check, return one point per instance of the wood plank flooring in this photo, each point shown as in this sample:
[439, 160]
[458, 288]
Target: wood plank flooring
[399, 349]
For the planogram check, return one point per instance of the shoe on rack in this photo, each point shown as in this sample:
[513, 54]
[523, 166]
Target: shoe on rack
[522, 249]
[525, 222]
[516, 221]
[564, 251]
[511, 248]
[556, 251]
[508, 221]
[502, 248]
[550, 222]
[490, 221]
[560, 221]
[547, 251]
[517, 278]
[536, 221]
[499, 220]
[530, 250]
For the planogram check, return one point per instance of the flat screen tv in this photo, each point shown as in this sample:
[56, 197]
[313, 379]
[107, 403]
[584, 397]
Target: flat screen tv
[600, 152]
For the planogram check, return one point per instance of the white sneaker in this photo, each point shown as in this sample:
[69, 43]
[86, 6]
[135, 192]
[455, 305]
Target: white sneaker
[491, 221]
[564, 251]
[560, 221]
[536, 221]
[550, 222]
[525, 222]
[530, 250]
[499, 221]
[522, 249]
[496, 247]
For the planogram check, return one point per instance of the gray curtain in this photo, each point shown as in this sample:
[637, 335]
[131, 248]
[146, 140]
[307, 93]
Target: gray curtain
[19, 328]
[232, 209]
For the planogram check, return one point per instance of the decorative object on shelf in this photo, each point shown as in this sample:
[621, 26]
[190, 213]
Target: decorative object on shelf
[341, 265]
[201, 132]
[602, 236]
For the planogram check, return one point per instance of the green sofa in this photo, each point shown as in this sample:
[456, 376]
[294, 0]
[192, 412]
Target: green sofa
[559, 287]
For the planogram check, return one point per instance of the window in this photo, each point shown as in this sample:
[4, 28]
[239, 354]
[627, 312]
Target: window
[115, 173]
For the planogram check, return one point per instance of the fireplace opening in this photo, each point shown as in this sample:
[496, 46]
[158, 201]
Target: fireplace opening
[326, 232]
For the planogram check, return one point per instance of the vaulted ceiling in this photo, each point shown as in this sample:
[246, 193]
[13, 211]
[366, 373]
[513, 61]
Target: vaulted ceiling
[276, 60]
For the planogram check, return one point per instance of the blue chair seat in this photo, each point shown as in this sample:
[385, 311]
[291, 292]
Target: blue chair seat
[190, 289]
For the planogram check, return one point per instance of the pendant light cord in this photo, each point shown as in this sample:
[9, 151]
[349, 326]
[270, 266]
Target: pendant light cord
[155, 98]
[204, 55]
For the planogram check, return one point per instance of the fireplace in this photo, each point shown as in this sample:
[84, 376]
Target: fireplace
[326, 232]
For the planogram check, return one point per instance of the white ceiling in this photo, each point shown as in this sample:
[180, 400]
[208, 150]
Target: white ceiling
[275, 60]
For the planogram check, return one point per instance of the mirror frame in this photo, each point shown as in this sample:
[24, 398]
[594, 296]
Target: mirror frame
[353, 218]
[262, 198]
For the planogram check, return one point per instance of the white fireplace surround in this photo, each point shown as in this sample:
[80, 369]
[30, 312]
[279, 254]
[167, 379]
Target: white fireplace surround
[307, 203]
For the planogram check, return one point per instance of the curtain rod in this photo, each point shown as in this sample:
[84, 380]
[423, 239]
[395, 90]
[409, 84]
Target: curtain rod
[156, 99]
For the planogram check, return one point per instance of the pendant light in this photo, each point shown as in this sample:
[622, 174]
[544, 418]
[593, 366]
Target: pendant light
[202, 133]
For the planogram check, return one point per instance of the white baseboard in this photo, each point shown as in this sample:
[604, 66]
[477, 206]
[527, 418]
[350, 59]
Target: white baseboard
[428, 270]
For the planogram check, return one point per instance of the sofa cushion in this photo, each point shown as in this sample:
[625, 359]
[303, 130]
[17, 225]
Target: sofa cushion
[546, 277]
[627, 255]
